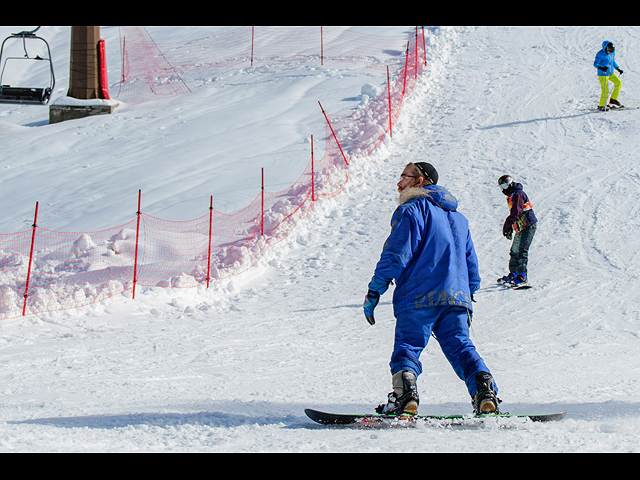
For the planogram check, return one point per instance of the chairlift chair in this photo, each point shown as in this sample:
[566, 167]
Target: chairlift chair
[25, 95]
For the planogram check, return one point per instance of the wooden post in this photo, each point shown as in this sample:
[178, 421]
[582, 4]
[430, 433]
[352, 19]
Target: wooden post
[84, 76]
[87, 80]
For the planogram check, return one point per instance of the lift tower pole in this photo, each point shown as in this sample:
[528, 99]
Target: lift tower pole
[88, 81]
[83, 79]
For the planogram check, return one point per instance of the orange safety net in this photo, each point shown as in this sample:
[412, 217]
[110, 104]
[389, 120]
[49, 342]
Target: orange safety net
[43, 270]
[150, 67]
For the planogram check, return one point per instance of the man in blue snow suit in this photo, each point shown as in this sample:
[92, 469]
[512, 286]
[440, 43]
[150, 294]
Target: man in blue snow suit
[431, 257]
[605, 62]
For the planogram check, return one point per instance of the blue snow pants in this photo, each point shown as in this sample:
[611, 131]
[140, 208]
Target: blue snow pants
[449, 324]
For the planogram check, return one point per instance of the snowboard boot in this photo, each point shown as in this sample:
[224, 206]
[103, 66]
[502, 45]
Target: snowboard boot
[485, 400]
[507, 278]
[404, 399]
[520, 279]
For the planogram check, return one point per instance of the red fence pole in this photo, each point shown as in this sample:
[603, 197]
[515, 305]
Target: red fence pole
[33, 239]
[406, 65]
[334, 134]
[424, 46]
[124, 52]
[321, 47]
[389, 90]
[313, 187]
[262, 208]
[416, 55]
[252, 34]
[209, 254]
[135, 266]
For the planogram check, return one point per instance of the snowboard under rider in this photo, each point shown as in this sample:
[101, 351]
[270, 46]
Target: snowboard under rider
[431, 257]
[605, 63]
[521, 220]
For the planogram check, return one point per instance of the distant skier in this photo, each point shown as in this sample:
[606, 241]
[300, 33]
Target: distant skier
[523, 222]
[431, 256]
[605, 63]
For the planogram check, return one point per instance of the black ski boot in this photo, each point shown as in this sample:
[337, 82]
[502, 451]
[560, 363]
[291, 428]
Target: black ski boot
[485, 401]
[404, 399]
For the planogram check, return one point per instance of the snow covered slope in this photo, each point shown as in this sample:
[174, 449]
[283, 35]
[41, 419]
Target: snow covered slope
[232, 368]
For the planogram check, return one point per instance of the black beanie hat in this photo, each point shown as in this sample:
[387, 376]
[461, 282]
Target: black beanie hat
[428, 171]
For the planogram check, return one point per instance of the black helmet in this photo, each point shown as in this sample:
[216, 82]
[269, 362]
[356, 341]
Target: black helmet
[505, 182]
[610, 48]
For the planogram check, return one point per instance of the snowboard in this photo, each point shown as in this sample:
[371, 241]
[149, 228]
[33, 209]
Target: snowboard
[511, 286]
[373, 419]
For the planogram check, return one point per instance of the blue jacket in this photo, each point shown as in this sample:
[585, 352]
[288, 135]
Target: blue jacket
[429, 253]
[605, 60]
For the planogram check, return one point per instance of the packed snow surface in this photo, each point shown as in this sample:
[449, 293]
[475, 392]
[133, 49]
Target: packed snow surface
[232, 368]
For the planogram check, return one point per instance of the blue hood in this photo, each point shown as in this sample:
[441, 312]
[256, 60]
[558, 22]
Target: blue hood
[442, 198]
[606, 61]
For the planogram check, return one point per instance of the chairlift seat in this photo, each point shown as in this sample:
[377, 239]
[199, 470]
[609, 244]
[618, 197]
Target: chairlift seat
[24, 95]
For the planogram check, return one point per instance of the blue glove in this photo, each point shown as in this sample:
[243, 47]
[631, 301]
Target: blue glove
[377, 288]
[371, 301]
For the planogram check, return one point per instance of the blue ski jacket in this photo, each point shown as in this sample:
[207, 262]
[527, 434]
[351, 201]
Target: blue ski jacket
[429, 253]
[605, 60]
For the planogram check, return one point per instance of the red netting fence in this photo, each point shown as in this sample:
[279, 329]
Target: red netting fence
[43, 270]
[148, 67]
